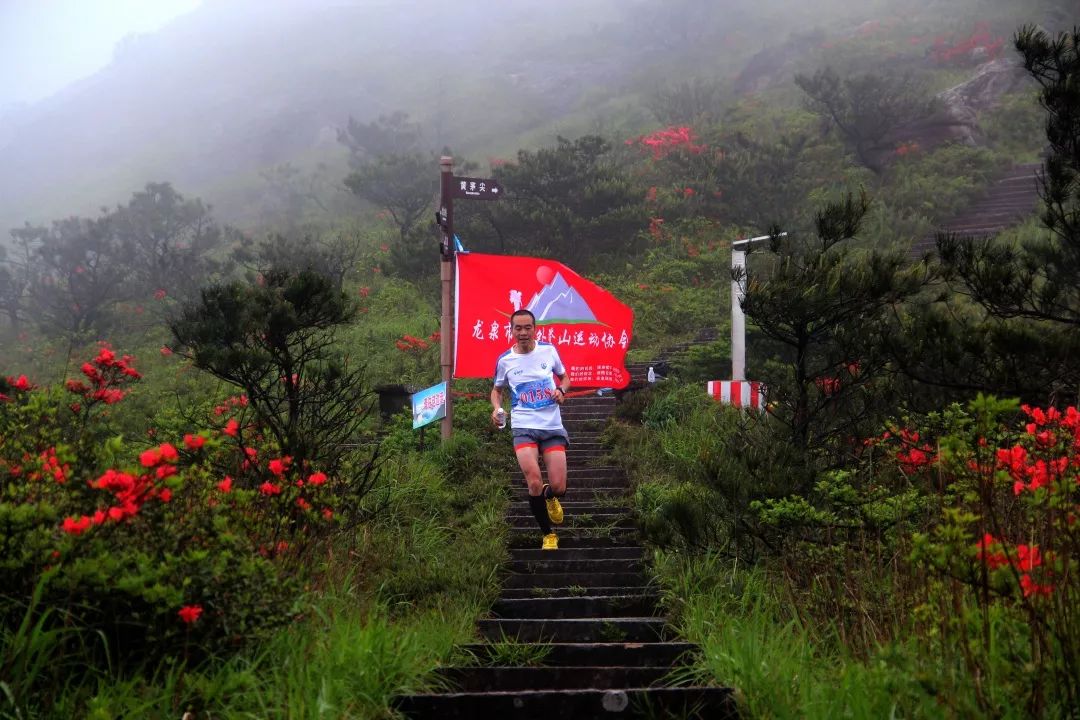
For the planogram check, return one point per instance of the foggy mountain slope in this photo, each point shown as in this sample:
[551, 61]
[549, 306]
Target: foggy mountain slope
[238, 86]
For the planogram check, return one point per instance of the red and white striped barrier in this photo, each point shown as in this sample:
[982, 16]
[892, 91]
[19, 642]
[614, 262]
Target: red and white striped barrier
[740, 393]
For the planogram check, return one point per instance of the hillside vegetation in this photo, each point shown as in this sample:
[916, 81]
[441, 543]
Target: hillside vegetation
[205, 511]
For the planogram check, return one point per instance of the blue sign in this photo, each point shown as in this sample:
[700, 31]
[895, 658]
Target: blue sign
[429, 405]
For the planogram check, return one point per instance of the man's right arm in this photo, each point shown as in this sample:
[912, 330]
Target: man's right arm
[496, 403]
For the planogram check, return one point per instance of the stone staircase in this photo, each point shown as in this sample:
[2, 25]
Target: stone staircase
[1012, 199]
[585, 612]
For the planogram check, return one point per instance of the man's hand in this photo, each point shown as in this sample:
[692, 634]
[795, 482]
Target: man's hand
[560, 395]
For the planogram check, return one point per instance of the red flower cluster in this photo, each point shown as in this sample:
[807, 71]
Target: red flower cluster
[656, 228]
[194, 442]
[50, 467]
[190, 613]
[828, 385]
[236, 401]
[1047, 428]
[914, 456]
[130, 492]
[907, 148]
[20, 383]
[980, 45]
[279, 466]
[669, 140]
[408, 343]
[106, 374]
[993, 553]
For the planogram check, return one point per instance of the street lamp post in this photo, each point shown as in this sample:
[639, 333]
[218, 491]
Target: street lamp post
[739, 249]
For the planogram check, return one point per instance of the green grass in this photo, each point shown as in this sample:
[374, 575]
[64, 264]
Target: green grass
[785, 666]
[508, 652]
[379, 618]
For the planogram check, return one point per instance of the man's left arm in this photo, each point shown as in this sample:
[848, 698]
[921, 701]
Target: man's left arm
[563, 385]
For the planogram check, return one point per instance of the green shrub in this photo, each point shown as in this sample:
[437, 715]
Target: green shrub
[183, 551]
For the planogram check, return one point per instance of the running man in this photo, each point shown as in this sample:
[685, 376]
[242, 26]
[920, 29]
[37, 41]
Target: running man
[528, 368]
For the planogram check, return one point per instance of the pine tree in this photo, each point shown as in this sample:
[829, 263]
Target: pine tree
[1030, 293]
[274, 340]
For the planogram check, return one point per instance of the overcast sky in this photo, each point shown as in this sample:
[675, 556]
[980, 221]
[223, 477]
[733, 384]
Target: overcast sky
[47, 44]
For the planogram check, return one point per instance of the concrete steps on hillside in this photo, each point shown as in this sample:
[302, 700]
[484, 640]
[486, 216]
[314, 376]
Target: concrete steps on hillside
[1010, 200]
[583, 622]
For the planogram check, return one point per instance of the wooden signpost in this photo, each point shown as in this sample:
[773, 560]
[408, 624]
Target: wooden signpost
[462, 188]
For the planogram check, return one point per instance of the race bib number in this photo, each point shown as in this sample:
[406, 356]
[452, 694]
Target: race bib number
[536, 394]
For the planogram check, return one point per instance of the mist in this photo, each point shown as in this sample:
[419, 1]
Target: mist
[229, 94]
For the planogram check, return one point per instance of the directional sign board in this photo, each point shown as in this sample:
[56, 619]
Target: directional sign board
[476, 188]
[429, 405]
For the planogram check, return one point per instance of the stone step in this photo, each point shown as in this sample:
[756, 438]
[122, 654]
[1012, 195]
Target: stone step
[582, 471]
[623, 552]
[560, 564]
[573, 579]
[532, 593]
[683, 702]
[663, 654]
[572, 538]
[521, 507]
[615, 629]
[571, 522]
[502, 678]
[586, 606]
[580, 489]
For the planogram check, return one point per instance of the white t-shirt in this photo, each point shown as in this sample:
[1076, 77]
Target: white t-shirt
[532, 386]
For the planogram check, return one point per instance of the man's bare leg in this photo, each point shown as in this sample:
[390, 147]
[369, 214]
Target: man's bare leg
[528, 458]
[555, 462]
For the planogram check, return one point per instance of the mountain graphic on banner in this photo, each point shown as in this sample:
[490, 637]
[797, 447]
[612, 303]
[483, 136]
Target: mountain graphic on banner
[559, 302]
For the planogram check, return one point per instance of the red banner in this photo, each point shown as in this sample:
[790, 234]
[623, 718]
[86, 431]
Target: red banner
[588, 326]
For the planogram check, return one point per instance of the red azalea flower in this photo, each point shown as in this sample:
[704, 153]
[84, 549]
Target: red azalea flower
[150, 458]
[194, 442]
[279, 466]
[317, 478]
[303, 504]
[269, 488]
[1030, 587]
[225, 485]
[993, 560]
[75, 527]
[169, 453]
[190, 613]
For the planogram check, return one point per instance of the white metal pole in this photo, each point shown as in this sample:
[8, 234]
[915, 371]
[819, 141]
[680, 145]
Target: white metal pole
[738, 320]
[738, 292]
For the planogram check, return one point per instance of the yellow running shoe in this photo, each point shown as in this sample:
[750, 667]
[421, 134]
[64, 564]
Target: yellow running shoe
[555, 513]
[551, 542]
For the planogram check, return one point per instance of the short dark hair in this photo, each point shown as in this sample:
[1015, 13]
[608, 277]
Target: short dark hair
[522, 312]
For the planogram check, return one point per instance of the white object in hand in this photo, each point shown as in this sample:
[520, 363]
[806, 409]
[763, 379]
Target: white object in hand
[500, 418]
